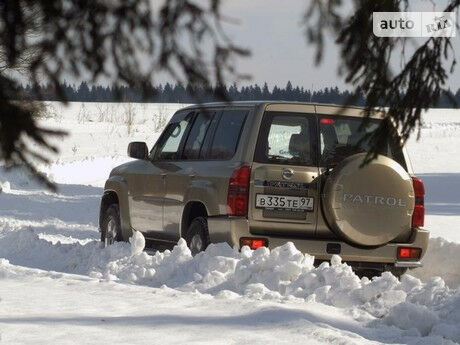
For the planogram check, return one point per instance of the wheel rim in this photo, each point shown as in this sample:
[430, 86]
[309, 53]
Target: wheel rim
[111, 231]
[196, 244]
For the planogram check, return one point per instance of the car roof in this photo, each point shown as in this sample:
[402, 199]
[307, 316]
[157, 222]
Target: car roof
[318, 108]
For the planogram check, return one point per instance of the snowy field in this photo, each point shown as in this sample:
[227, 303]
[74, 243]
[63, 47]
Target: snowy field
[58, 286]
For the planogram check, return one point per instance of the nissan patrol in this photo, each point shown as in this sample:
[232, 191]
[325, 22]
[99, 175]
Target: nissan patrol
[263, 173]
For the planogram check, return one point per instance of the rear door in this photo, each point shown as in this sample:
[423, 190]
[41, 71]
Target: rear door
[342, 134]
[181, 173]
[284, 193]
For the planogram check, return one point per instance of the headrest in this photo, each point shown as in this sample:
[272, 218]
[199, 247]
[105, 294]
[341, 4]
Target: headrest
[353, 140]
[299, 144]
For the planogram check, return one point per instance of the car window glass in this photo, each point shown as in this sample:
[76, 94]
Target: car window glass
[205, 148]
[196, 136]
[227, 134]
[168, 148]
[285, 138]
[279, 138]
[341, 137]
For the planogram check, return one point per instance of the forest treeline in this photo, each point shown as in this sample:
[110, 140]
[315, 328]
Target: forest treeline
[169, 93]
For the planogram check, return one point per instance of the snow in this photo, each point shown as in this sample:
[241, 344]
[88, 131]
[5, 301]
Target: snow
[281, 278]
[59, 284]
[112, 313]
[442, 259]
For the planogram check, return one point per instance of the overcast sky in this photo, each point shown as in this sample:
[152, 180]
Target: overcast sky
[272, 31]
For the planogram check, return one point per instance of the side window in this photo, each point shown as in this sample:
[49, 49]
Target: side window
[197, 134]
[170, 142]
[227, 134]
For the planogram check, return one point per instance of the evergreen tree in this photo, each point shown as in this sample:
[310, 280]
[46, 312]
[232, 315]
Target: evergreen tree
[265, 92]
[177, 93]
[83, 92]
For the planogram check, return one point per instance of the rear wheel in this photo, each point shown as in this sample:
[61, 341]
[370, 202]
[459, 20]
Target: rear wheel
[198, 235]
[368, 273]
[398, 271]
[111, 227]
[371, 273]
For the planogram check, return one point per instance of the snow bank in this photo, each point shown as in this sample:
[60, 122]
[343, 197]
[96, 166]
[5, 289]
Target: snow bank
[442, 259]
[5, 187]
[283, 273]
[90, 171]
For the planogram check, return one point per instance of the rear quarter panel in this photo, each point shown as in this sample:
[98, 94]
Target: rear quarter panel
[211, 177]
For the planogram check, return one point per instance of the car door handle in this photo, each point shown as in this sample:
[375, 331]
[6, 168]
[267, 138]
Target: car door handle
[192, 176]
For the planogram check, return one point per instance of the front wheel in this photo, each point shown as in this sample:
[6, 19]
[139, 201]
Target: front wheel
[198, 235]
[111, 228]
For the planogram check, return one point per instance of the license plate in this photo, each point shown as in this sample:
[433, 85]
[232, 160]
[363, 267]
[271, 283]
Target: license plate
[284, 202]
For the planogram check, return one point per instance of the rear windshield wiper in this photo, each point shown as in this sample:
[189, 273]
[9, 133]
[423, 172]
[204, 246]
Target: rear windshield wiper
[276, 157]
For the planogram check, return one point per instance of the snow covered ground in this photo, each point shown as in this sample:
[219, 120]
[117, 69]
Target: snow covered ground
[57, 285]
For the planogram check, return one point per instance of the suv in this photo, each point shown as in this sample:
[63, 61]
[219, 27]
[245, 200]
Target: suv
[264, 173]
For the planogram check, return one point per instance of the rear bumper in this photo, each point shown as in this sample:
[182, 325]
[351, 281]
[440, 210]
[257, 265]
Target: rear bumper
[230, 230]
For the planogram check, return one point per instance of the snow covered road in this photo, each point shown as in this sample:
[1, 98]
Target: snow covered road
[65, 309]
[57, 285]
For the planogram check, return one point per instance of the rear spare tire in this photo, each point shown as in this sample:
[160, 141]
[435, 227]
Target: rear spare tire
[368, 205]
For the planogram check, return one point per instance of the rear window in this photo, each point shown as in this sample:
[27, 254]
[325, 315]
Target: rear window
[227, 134]
[286, 138]
[341, 137]
[292, 139]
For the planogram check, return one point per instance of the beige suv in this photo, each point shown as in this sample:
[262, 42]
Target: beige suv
[265, 173]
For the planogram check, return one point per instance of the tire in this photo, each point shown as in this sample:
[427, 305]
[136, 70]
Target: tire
[198, 235]
[370, 273]
[398, 271]
[111, 227]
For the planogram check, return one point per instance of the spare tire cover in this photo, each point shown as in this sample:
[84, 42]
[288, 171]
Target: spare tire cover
[368, 205]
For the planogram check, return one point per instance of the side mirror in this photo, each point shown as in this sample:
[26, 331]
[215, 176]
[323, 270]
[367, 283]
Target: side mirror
[138, 149]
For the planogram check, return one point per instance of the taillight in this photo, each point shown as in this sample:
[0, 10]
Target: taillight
[253, 242]
[238, 192]
[409, 253]
[418, 217]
